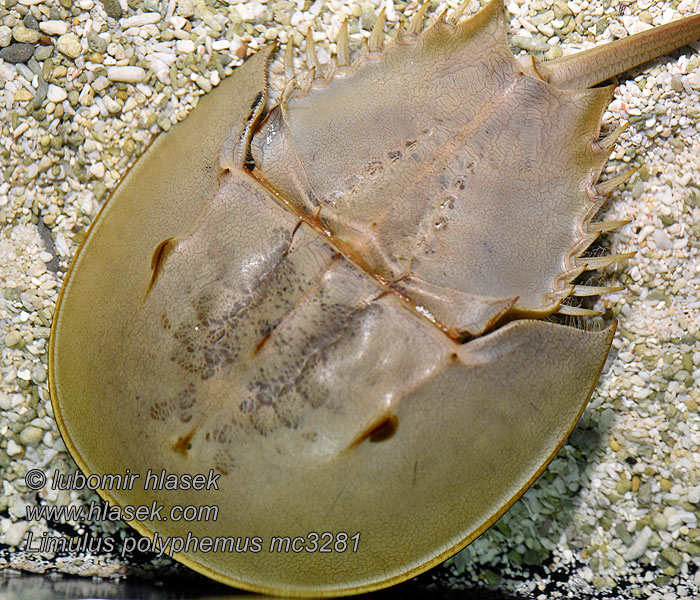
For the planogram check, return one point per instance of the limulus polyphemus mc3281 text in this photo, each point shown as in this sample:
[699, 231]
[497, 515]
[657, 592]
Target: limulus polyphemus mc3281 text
[341, 304]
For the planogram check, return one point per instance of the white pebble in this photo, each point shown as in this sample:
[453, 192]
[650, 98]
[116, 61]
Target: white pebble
[116, 50]
[18, 508]
[634, 25]
[165, 58]
[61, 245]
[31, 436]
[130, 104]
[126, 74]
[13, 338]
[5, 36]
[54, 27]
[140, 20]
[674, 522]
[45, 256]
[694, 80]
[221, 45]
[87, 204]
[160, 69]
[13, 448]
[662, 240]
[639, 547]
[185, 46]
[56, 93]
[14, 533]
[680, 284]
[178, 22]
[112, 106]
[20, 129]
[69, 44]
[97, 170]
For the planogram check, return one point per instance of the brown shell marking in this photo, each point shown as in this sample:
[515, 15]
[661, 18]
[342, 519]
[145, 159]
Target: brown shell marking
[351, 332]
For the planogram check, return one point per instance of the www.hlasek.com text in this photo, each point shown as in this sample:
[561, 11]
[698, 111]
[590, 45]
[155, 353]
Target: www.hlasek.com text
[324, 543]
[99, 511]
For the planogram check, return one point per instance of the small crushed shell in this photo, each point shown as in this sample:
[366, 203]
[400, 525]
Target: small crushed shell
[616, 512]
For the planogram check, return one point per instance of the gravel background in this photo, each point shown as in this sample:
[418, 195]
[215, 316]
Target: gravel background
[85, 85]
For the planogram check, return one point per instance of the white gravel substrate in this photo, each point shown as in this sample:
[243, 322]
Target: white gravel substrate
[618, 508]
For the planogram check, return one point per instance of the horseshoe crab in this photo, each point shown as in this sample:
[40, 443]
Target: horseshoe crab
[336, 309]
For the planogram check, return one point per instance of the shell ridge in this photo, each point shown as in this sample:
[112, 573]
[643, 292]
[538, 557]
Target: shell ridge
[595, 153]
[234, 149]
[490, 16]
